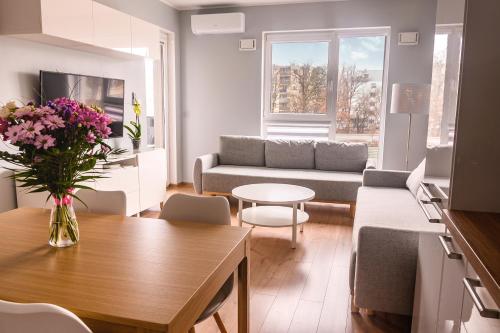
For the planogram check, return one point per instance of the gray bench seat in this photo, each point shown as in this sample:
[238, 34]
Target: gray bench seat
[386, 229]
[328, 185]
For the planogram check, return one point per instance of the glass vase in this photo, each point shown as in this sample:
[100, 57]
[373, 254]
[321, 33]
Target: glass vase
[63, 223]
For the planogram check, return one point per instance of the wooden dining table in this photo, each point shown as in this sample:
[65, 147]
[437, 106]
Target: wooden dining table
[126, 274]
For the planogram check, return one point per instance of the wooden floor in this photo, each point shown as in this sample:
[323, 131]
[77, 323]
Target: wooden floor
[306, 289]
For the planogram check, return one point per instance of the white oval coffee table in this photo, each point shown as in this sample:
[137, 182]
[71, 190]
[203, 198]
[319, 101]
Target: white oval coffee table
[274, 214]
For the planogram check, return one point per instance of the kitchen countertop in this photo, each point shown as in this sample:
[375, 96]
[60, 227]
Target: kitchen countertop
[478, 235]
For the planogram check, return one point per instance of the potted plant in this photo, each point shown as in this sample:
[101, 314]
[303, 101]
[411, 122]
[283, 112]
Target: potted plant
[134, 129]
[58, 145]
[134, 133]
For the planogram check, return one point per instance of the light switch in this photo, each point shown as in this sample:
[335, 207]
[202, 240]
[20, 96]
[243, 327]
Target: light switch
[248, 44]
[408, 38]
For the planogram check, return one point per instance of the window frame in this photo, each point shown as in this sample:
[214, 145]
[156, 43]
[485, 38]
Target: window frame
[332, 36]
[296, 37]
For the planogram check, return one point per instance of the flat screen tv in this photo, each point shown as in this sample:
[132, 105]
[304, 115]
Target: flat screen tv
[104, 92]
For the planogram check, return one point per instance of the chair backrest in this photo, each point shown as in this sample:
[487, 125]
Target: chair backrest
[40, 318]
[191, 208]
[101, 202]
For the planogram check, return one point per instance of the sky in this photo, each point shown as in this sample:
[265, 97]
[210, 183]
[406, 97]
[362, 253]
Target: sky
[365, 52]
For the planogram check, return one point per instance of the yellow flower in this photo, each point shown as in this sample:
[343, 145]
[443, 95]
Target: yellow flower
[137, 107]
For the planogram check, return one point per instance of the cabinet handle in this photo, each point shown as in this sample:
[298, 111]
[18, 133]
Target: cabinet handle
[470, 285]
[450, 254]
[431, 219]
[427, 191]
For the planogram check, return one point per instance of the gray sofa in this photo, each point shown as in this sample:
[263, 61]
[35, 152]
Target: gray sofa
[386, 229]
[333, 170]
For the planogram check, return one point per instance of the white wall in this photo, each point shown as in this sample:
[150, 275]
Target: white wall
[221, 87]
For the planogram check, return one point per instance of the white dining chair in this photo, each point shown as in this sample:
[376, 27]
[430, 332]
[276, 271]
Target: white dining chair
[38, 318]
[214, 210]
[101, 202]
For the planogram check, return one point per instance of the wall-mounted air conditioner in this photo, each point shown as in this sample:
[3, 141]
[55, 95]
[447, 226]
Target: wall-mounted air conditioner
[228, 23]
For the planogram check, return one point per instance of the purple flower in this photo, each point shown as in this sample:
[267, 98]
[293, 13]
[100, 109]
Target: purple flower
[44, 142]
[15, 133]
[53, 122]
[31, 129]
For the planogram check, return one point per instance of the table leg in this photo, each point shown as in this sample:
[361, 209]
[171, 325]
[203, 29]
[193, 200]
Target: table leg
[243, 297]
[240, 212]
[294, 226]
[302, 208]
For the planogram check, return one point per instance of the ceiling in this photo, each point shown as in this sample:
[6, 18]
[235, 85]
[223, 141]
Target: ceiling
[196, 4]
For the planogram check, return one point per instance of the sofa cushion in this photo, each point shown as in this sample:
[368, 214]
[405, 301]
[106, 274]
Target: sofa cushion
[415, 178]
[438, 161]
[290, 154]
[328, 185]
[241, 150]
[390, 208]
[341, 156]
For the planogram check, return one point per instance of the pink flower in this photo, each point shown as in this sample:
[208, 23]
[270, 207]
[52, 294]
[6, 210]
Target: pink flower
[15, 133]
[90, 137]
[53, 122]
[44, 110]
[31, 129]
[4, 126]
[44, 142]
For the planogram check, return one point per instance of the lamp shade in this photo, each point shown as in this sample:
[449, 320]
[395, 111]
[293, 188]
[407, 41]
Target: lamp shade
[411, 98]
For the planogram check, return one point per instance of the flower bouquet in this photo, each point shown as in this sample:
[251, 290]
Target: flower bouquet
[59, 145]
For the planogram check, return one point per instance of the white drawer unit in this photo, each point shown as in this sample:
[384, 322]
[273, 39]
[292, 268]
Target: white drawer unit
[142, 177]
[480, 313]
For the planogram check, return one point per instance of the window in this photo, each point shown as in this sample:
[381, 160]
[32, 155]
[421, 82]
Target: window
[299, 81]
[444, 87]
[325, 85]
[359, 90]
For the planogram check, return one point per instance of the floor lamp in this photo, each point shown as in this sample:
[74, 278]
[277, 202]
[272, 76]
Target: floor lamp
[411, 99]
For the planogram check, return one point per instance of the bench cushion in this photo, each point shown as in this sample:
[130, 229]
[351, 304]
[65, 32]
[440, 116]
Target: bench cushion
[328, 185]
[290, 154]
[341, 156]
[241, 150]
[389, 207]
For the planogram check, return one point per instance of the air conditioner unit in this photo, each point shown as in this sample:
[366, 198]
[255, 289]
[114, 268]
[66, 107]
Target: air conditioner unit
[228, 23]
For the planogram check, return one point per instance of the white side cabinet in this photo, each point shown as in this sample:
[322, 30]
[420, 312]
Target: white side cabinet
[480, 314]
[142, 177]
[427, 283]
[152, 177]
[449, 297]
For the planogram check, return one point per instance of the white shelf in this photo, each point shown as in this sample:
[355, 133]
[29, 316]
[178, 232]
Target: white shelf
[272, 216]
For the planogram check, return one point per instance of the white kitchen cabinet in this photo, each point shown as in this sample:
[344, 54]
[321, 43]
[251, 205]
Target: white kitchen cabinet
[112, 28]
[427, 283]
[67, 19]
[476, 297]
[80, 24]
[452, 288]
[145, 39]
